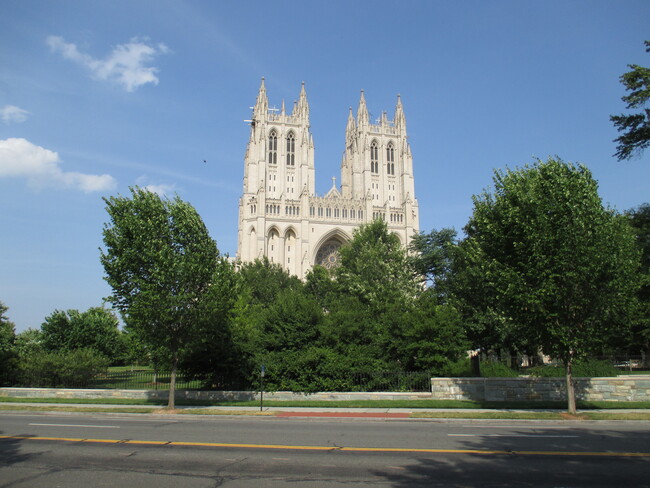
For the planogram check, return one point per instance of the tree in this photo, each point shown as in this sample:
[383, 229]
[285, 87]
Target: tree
[432, 255]
[8, 355]
[29, 342]
[160, 262]
[560, 268]
[219, 352]
[97, 328]
[639, 219]
[374, 267]
[636, 126]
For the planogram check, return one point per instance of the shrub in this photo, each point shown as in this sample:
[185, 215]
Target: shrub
[66, 369]
[590, 368]
[495, 369]
[458, 369]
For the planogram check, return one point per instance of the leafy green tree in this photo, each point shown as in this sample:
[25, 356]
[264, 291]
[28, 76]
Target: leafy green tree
[8, 354]
[97, 328]
[160, 262]
[219, 352]
[639, 219]
[561, 268]
[432, 256]
[429, 336]
[375, 268]
[29, 342]
[635, 126]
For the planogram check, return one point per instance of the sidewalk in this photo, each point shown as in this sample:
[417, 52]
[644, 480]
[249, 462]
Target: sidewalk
[306, 412]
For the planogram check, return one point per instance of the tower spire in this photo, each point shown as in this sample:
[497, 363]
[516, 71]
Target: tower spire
[302, 108]
[262, 102]
[362, 111]
[350, 128]
[400, 119]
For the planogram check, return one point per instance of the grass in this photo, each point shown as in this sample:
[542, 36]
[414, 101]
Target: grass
[504, 415]
[89, 401]
[409, 404]
[31, 408]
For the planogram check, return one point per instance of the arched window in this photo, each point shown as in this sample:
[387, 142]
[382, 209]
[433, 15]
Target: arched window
[291, 149]
[273, 147]
[390, 159]
[374, 157]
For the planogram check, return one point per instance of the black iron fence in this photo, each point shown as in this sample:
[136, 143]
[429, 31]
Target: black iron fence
[381, 381]
[157, 380]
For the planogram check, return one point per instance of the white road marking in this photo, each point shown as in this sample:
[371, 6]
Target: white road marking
[541, 426]
[79, 425]
[510, 435]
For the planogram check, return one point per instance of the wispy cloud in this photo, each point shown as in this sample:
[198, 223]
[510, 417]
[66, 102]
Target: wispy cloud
[19, 158]
[11, 113]
[126, 65]
[162, 189]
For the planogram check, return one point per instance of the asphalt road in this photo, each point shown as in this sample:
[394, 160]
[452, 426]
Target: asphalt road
[73, 450]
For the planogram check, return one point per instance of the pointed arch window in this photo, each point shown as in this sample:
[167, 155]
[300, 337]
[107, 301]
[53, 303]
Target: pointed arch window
[390, 159]
[291, 149]
[374, 157]
[273, 147]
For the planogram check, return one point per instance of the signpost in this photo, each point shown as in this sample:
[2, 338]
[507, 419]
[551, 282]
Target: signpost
[262, 372]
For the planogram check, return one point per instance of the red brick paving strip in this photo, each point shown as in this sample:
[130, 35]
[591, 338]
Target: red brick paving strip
[346, 415]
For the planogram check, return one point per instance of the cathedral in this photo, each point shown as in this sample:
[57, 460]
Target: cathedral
[280, 215]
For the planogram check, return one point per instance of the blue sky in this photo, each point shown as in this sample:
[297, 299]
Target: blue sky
[98, 96]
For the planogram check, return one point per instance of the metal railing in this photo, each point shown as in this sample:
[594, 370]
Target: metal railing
[381, 381]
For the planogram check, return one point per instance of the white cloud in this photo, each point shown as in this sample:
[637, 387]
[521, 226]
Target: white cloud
[11, 113]
[19, 158]
[125, 65]
[162, 189]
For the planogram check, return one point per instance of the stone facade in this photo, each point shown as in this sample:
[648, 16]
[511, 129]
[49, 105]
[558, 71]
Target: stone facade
[627, 389]
[280, 215]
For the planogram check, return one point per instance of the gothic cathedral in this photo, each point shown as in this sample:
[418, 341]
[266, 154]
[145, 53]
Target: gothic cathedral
[280, 215]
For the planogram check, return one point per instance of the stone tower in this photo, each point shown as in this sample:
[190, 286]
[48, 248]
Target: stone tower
[280, 215]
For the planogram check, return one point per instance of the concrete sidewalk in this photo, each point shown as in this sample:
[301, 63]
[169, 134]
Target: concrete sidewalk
[306, 412]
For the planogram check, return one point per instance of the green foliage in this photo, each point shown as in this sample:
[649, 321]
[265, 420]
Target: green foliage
[96, 328]
[220, 350]
[635, 126]
[29, 342]
[556, 268]
[590, 368]
[432, 255]
[496, 369]
[428, 336]
[461, 368]
[8, 353]
[639, 219]
[61, 369]
[374, 267]
[160, 262]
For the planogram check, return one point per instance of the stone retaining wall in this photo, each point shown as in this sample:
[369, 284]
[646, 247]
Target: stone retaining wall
[629, 389]
[202, 395]
[622, 388]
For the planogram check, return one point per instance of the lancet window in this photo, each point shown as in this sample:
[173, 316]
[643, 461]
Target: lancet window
[273, 147]
[390, 159]
[374, 157]
[291, 149]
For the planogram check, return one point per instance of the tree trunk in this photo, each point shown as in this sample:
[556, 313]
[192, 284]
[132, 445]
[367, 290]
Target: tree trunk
[172, 383]
[476, 364]
[570, 391]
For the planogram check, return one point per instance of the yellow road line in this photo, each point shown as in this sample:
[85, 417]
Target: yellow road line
[327, 448]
